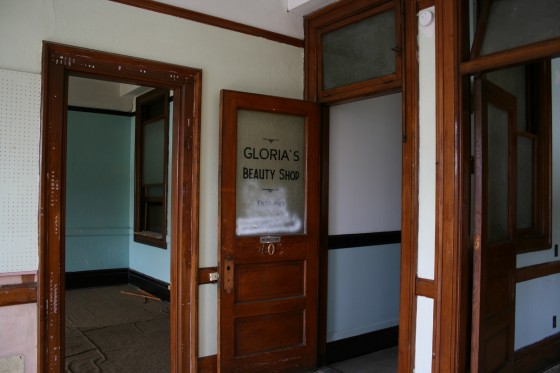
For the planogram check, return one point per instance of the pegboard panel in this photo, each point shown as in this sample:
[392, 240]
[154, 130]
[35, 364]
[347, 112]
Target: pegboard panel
[20, 96]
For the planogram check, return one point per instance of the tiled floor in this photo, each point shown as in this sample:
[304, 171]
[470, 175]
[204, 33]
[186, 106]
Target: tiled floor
[379, 362]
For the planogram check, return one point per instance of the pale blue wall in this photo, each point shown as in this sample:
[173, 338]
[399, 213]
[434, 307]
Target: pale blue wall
[363, 290]
[98, 178]
[100, 198]
[150, 260]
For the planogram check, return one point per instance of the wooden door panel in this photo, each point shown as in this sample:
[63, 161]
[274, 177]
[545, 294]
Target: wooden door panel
[267, 333]
[266, 281]
[493, 303]
[269, 231]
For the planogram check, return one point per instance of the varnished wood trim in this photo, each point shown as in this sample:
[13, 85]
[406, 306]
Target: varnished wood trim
[409, 225]
[344, 241]
[425, 288]
[208, 364]
[18, 294]
[511, 57]
[537, 271]
[60, 61]
[204, 275]
[538, 356]
[451, 269]
[212, 21]
[423, 4]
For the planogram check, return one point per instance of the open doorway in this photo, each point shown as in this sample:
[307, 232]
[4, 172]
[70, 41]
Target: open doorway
[60, 62]
[365, 140]
[117, 283]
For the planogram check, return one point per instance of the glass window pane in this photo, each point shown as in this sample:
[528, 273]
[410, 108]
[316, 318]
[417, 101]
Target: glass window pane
[513, 23]
[154, 139]
[153, 109]
[270, 174]
[514, 81]
[524, 182]
[360, 51]
[154, 222]
[498, 186]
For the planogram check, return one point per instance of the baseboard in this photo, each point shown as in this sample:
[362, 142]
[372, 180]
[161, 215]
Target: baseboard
[208, 364]
[359, 345]
[152, 285]
[538, 356]
[118, 276]
[100, 277]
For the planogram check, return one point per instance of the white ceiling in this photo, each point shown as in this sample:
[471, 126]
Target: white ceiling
[100, 94]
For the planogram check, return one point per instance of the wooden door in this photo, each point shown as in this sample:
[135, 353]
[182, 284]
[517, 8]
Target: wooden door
[493, 312]
[269, 230]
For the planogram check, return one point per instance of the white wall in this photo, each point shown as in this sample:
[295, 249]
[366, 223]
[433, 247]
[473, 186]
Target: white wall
[426, 188]
[229, 60]
[537, 301]
[364, 197]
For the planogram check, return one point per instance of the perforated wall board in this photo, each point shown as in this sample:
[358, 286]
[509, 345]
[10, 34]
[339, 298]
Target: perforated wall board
[20, 96]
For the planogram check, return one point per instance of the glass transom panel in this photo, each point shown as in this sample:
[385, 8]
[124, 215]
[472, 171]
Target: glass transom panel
[360, 51]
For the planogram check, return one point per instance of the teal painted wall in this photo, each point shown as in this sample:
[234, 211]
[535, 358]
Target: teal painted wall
[98, 179]
[100, 198]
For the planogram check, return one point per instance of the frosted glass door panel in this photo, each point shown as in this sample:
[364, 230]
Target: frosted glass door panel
[270, 174]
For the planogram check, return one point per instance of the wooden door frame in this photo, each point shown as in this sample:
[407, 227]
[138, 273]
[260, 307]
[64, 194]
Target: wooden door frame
[60, 61]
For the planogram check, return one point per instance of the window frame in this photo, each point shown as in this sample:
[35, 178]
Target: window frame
[141, 235]
[335, 17]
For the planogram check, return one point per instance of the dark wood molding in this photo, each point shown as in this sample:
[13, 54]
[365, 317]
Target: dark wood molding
[409, 225]
[208, 364]
[344, 241]
[212, 21]
[538, 356]
[59, 62]
[423, 4]
[452, 263]
[537, 271]
[83, 109]
[94, 278]
[359, 345]
[204, 275]
[11, 295]
[512, 57]
[425, 288]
